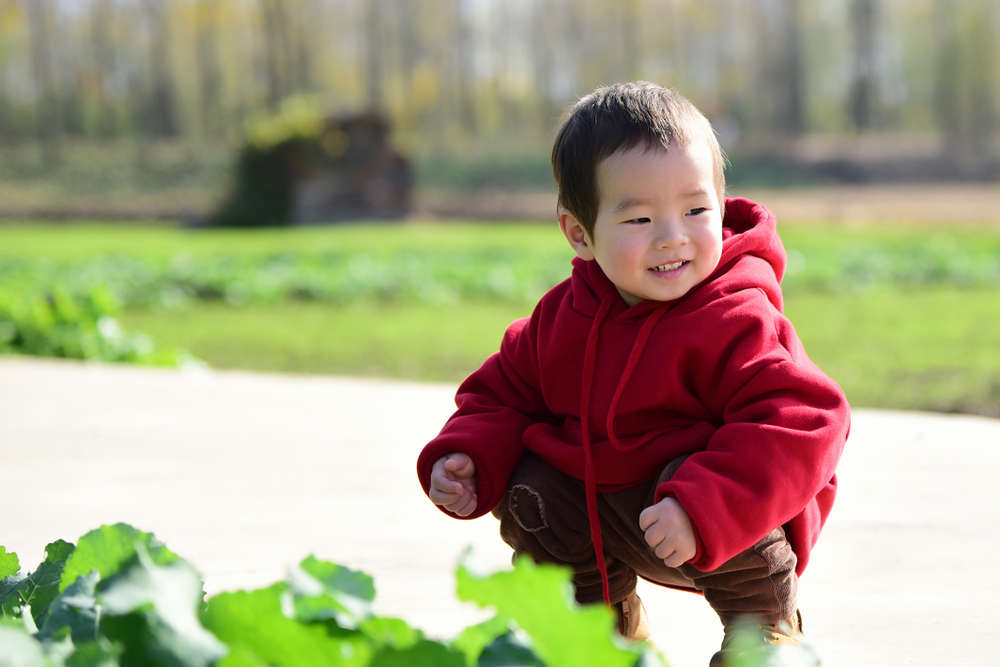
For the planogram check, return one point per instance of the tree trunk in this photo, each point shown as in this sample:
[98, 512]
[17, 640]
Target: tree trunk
[209, 67]
[791, 118]
[864, 21]
[161, 107]
[464, 61]
[947, 98]
[278, 51]
[373, 55]
[980, 83]
[41, 20]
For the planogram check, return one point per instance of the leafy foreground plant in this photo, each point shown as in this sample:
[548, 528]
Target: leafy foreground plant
[120, 597]
[59, 324]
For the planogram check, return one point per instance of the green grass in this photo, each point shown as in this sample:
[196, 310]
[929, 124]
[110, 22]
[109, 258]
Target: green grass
[919, 350]
[902, 316]
[936, 349]
[87, 239]
[81, 239]
[420, 342]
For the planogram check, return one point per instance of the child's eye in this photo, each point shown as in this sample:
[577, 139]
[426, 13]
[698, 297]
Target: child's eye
[697, 211]
[638, 220]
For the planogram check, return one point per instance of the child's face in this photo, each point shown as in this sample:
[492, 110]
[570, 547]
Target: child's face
[658, 231]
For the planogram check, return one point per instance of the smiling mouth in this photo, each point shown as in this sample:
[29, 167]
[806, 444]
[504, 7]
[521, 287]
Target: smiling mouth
[668, 267]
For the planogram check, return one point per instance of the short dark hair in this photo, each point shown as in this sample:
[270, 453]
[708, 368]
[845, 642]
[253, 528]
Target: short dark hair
[616, 118]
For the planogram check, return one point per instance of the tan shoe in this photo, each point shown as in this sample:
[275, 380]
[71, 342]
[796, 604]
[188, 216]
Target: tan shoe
[746, 637]
[633, 624]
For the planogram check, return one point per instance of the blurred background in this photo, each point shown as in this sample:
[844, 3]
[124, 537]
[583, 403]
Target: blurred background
[135, 107]
[137, 136]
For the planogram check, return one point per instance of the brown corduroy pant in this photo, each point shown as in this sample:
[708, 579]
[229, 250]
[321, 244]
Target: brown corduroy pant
[544, 516]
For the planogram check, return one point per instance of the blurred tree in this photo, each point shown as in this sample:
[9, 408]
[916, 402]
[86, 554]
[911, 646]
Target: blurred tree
[462, 64]
[777, 103]
[458, 75]
[373, 54]
[207, 24]
[41, 19]
[789, 79]
[277, 50]
[103, 63]
[544, 36]
[11, 26]
[159, 114]
[864, 31]
[965, 75]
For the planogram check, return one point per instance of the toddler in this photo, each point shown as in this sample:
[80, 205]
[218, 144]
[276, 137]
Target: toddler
[656, 416]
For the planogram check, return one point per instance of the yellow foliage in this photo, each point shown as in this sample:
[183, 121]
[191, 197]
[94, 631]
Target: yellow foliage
[300, 117]
[426, 86]
[11, 18]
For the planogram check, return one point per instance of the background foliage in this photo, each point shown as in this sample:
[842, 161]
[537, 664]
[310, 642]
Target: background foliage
[476, 86]
[902, 316]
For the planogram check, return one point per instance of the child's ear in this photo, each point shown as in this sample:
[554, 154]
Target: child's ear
[577, 236]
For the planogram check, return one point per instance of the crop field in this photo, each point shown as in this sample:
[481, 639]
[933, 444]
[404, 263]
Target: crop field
[903, 316]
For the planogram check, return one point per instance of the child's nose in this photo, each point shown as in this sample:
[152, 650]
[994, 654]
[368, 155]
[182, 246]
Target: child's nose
[670, 234]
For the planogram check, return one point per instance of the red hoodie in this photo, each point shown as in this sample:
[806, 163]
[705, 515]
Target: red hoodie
[718, 373]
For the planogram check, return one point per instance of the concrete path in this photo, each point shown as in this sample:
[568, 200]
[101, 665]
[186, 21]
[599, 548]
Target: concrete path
[245, 474]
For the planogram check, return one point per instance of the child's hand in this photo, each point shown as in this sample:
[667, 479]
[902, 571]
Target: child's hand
[668, 531]
[453, 484]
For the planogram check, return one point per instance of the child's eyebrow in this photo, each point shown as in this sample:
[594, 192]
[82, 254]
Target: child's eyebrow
[631, 202]
[695, 192]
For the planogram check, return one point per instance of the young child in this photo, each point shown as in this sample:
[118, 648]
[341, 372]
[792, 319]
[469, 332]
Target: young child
[656, 416]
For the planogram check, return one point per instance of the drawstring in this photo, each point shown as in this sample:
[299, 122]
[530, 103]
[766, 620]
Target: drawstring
[633, 361]
[590, 481]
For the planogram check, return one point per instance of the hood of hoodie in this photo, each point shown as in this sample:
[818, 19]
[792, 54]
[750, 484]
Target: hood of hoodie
[752, 257]
[613, 382]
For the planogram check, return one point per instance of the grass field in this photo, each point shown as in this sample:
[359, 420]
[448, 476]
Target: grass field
[905, 350]
[422, 342]
[902, 316]
[61, 241]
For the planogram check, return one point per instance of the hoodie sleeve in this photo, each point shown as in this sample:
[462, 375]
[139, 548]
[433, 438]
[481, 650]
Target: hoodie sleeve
[784, 425]
[496, 404]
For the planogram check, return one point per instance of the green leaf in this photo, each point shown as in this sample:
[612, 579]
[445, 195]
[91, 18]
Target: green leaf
[9, 565]
[252, 624]
[97, 653]
[509, 650]
[748, 649]
[167, 598]
[74, 611]
[650, 657]
[425, 653]
[475, 638]
[11, 600]
[42, 585]
[58, 650]
[393, 632]
[18, 649]
[10, 596]
[539, 599]
[241, 656]
[320, 590]
[108, 549]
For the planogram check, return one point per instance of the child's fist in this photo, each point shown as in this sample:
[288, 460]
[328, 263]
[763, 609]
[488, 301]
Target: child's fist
[453, 484]
[668, 531]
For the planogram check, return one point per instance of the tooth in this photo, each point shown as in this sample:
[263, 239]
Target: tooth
[668, 267]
